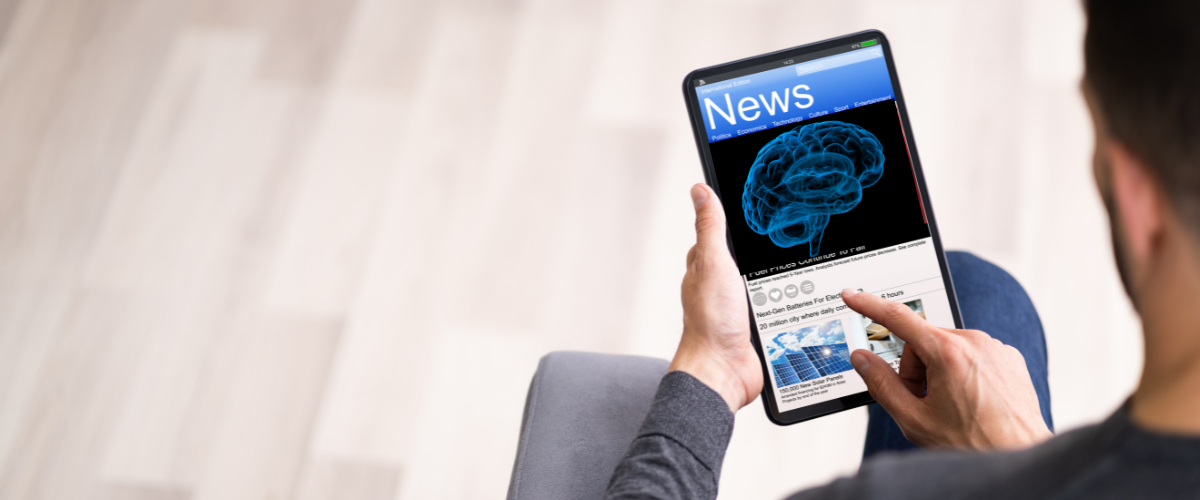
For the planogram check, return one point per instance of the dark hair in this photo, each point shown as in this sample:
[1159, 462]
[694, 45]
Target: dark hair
[1143, 73]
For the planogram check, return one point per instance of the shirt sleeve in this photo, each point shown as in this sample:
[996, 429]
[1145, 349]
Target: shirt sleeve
[677, 454]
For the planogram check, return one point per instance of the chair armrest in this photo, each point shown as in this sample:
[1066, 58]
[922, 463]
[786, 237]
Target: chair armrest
[581, 413]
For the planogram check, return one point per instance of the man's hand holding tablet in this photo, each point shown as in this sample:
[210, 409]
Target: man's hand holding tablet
[715, 347]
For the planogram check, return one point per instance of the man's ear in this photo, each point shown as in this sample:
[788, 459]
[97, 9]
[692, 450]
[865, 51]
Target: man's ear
[1140, 202]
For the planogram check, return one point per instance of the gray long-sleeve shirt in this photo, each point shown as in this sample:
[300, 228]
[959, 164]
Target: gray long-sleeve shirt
[679, 449]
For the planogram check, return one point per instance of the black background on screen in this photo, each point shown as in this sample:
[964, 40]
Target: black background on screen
[889, 213]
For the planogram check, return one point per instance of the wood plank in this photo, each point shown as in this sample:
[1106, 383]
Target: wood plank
[65, 430]
[8, 10]
[119, 491]
[388, 44]
[381, 363]
[343, 173]
[329, 479]
[263, 430]
[74, 78]
[304, 40]
[474, 368]
[30, 313]
[202, 152]
[192, 221]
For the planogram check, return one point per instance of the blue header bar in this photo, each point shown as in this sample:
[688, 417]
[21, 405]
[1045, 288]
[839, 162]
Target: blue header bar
[791, 94]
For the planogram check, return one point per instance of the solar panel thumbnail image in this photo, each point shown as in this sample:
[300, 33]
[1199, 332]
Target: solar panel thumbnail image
[803, 367]
[829, 359]
[784, 375]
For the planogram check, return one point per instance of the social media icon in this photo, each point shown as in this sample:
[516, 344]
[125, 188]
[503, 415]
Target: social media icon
[776, 295]
[807, 287]
[791, 291]
[759, 299]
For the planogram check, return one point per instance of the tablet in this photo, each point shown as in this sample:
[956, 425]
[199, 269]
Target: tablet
[811, 152]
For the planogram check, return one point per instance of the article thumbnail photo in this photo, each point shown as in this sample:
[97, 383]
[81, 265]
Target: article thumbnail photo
[876, 331]
[809, 353]
[881, 341]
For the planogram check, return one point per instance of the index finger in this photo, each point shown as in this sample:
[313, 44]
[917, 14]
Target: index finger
[897, 317]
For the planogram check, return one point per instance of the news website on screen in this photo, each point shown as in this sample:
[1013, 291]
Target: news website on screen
[821, 195]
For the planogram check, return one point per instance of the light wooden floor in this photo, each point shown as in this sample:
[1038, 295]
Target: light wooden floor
[264, 249]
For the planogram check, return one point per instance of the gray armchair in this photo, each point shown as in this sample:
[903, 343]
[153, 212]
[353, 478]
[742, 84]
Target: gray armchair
[582, 411]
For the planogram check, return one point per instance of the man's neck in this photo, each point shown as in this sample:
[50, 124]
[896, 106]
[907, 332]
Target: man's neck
[1167, 399]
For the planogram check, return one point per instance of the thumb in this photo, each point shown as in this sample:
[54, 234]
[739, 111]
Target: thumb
[884, 384]
[710, 218]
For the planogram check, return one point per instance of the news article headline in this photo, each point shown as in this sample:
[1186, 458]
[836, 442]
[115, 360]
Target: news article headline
[812, 388]
[779, 272]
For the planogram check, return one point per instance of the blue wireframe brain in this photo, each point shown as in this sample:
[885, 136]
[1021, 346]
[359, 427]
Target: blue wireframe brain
[806, 175]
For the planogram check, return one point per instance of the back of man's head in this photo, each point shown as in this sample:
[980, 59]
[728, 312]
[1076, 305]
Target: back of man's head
[1143, 72]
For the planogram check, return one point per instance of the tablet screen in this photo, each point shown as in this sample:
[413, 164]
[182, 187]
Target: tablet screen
[820, 192]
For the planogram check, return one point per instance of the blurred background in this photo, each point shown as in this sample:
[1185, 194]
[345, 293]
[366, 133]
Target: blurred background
[313, 249]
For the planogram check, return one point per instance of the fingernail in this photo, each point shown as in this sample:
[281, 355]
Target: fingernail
[849, 292]
[860, 362]
[699, 195]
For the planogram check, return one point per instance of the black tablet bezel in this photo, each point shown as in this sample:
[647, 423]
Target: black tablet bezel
[854, 400]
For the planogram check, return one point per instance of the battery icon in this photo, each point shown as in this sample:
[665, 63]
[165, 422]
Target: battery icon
[868, 43]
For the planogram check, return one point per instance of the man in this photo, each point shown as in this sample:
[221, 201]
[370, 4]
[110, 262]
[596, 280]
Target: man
[966, 397]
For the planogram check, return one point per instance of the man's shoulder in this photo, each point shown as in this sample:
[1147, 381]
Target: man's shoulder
[1033, 472]
[1028, 472]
